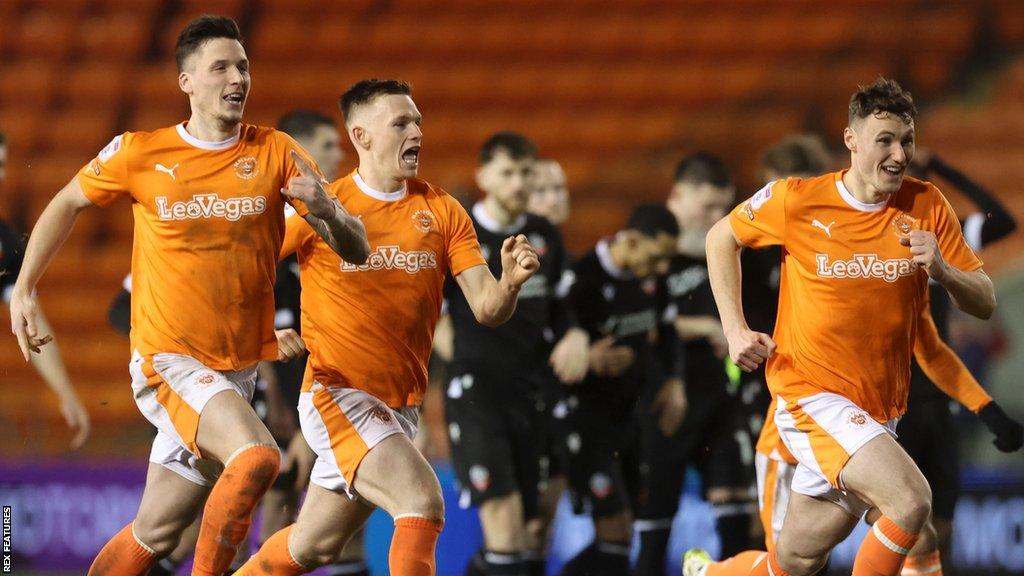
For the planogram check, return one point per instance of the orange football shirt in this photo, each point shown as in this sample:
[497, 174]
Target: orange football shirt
[208, 228]
[371, 326]
[850, 295]
[938, 361]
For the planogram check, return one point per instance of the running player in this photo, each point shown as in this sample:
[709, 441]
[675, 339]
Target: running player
[854, 244]
[208, 197]
[369, 329]
[804, 156]
[714, 435]
[616, 296]
[499, 375]
[46, 360]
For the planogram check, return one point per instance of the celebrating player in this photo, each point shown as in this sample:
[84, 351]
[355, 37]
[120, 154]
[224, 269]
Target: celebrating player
[369, 329]
[208, 197]
[859, 246]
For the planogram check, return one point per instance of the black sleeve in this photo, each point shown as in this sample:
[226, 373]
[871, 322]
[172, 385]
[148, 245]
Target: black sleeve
[998, 221]
[563, 316]
[670, 347]
[120, 313]
[12, 252]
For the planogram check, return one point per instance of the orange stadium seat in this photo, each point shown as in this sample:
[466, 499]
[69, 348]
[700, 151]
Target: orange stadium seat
[82, 130]
[27, 83]
[45, 33]
[95, 83]
[118, 37]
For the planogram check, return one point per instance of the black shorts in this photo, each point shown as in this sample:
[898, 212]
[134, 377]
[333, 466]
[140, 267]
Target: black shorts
[553, 429]
[714, 437]
[601, 457]
[929, 435]
[494, 427]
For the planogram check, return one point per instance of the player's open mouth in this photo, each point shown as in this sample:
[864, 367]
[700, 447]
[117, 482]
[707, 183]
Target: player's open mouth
[411, 157]
[893, 170]
[235, 98]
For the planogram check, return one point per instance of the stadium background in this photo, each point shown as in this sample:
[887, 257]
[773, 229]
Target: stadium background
[616, 91]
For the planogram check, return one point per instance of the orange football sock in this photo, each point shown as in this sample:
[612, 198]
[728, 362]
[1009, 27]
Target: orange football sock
[923, 565]
[273, 558]
[738, 565]
[123, 555]
[228, 512]
[412, 546]
[883, 550]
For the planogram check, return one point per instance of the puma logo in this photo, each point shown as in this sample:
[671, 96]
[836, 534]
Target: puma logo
[828, 229]
[166, 170]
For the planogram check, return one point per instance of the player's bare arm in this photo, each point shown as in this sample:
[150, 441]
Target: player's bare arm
[972, 292]
[494, 301]
[747, 348]
[52, 229]
[48, 363]
[344, 233]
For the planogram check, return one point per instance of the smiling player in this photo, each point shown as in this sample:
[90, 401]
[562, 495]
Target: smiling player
[208, 197]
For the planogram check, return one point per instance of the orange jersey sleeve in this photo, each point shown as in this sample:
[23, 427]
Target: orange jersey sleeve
[760, 221]
[944, 368]
[462, 246]
[297, 233]
[106, 178]
[952, 245]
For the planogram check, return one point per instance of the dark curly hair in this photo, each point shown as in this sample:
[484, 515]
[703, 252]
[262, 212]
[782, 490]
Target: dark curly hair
[884, 96]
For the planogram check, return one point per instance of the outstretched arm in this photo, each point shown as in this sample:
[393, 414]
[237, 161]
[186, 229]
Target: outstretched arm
[993, 222]
[49, 234]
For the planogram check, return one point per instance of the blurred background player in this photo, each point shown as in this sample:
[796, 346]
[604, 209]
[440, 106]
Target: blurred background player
[836, 416]
[45, 359]
[496, 401]
[714, 436]
[549, 198]
[370, 329]
[616, 298]
[194, 347]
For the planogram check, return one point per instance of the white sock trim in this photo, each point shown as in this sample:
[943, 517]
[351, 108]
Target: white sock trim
[247, 447]
[609, 548]
[140, 542]
[412, 515]
[887, 542]
[923, 571]
[649, 525]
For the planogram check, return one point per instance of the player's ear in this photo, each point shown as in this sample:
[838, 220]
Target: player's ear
[359, 137]
[185, 83]
[850, 139]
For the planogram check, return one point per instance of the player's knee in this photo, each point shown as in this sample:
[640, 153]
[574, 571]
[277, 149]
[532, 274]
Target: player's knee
[427, 502]
[797, 565]
[161, 539]
[259, 463]
[915, 508]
